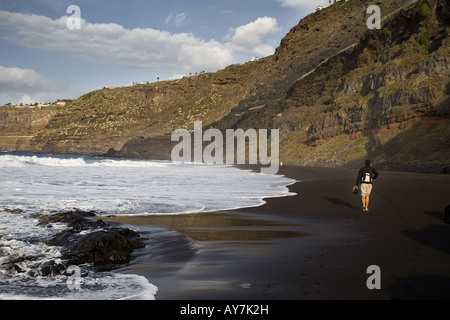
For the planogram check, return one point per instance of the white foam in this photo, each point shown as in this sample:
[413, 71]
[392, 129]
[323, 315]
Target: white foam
[10, 160]
[99, 286]
[23, 252]
[117, 187]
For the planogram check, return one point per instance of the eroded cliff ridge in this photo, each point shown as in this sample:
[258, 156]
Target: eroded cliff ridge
[19, 125]
[337, 91]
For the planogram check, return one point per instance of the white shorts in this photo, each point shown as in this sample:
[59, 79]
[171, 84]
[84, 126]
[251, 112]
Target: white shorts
[366, 189]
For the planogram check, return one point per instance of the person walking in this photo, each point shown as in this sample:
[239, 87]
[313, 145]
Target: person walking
[365, 178]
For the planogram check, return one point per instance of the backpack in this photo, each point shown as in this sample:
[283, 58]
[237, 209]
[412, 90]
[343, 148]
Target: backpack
[367, 176]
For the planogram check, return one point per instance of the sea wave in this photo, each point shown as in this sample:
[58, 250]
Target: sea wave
[119, 186]
[11, 160]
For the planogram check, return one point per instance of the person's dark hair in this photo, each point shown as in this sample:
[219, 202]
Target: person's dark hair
[367, 163]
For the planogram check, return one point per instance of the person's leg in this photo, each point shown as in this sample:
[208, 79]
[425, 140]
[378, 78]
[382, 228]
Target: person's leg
[367, 203]
[369, 191]
[366, 190]
[363, 197]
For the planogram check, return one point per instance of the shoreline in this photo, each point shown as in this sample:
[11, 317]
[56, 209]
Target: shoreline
[424, 168]
[316, 245]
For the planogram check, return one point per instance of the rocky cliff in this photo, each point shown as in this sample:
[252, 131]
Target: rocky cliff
[18, 125]
[387, 98]
[337, 91]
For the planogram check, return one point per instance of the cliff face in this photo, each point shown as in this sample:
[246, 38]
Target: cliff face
[19, 125]
[337, 91]
[387, 98]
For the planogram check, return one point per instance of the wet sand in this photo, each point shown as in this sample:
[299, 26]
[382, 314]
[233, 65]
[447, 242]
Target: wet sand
[316, 245]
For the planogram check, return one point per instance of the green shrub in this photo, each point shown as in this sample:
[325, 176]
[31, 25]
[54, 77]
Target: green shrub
[86, 97]
[426, 24]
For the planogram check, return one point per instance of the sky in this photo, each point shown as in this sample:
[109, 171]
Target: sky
[63, 49]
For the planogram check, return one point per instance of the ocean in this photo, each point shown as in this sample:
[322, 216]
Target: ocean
[43, 184]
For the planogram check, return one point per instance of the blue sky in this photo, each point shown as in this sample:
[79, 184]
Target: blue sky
[121, 42]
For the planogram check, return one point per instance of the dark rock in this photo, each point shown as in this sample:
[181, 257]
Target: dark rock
[446, 216]
[89, 241]
[52, 268]
[14, 210]
[445, 170]
[62, 238]
[65, 217]
[112, 153]
[113, 246]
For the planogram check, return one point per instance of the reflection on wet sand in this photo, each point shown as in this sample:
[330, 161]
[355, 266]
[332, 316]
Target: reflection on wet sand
[218, 226]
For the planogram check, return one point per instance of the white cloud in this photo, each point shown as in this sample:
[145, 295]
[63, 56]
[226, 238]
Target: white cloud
[28, 86]
[250, 37]
[143, 49]
[176, 77]
[177, 19]
[148, 49]
[23, 80]
[304, 5]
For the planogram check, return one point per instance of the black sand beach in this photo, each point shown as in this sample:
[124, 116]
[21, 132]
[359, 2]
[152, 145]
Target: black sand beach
[316, 245]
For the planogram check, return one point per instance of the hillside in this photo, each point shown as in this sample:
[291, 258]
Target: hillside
[337, 91]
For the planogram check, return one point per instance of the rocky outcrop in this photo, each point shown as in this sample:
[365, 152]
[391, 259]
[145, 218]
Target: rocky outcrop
[89, 241]
[18, 125]
[370, 97]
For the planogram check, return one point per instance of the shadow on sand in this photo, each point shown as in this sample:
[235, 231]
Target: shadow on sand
[340, 202]
[431, 287]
